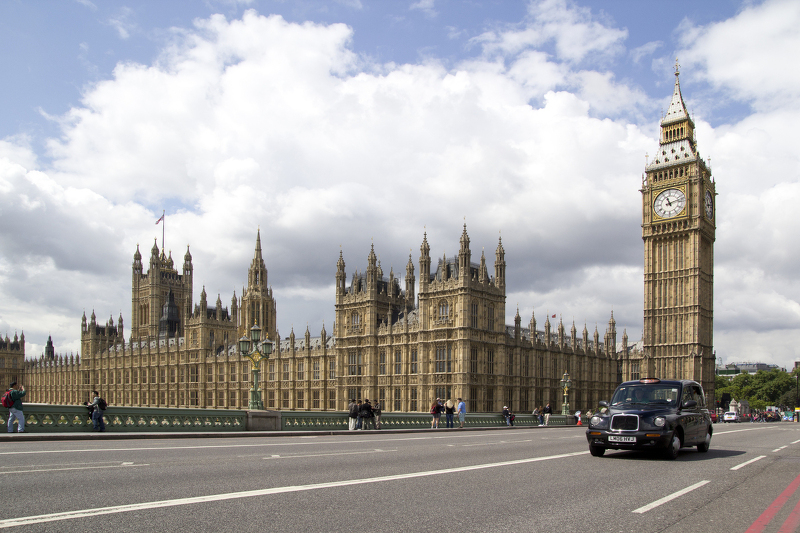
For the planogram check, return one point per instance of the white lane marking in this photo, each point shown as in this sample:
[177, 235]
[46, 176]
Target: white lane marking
[86, 513]
[671, 497]
[70, 468]
[213, 446]
[794, 442]
[778, 449]
[737, 467]
[324, 454]
[740, 430]
[498, 442]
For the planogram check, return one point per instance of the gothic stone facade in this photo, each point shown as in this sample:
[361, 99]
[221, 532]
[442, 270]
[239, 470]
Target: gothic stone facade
[451, 340]
[12, 357]
[678, 230]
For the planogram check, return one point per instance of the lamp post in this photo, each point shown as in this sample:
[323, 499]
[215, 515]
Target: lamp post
[796, 416]
[566, 383]
[255, 356]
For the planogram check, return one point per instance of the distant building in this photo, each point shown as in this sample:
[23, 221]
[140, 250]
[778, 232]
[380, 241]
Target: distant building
[733, 369]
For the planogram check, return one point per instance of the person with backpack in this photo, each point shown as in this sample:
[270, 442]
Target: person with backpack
[100, 406]
[12, 399]
[436, 411]
[366, 415]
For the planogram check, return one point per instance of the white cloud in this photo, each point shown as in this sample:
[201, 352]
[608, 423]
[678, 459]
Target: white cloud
[87, 3]
[752, 56]
[574, 32]
[260, 122]
[647, 49]
[426, 6]
[122, 22]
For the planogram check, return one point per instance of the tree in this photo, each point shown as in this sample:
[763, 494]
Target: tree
[787, 400]
[776, 387]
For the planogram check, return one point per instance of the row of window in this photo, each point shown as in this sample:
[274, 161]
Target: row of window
[314, 373]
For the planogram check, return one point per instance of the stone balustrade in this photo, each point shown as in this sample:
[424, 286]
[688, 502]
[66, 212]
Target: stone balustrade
[45, 418]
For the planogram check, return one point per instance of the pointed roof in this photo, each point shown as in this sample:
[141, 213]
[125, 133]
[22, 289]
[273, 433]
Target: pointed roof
[257, 256]
[677, 108]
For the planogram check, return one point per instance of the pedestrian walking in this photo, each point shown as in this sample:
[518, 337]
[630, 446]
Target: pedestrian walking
[16, 392]
[359, 420]
[352, 409]
[547, 412]
[449, 412]
[376, 410]
[99, 406]
[507, 415]
[540, 414]
[462, 412]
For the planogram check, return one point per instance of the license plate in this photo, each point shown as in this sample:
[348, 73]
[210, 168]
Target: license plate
[613, 438]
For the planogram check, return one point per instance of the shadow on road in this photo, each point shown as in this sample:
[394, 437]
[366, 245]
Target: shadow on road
[686, 454]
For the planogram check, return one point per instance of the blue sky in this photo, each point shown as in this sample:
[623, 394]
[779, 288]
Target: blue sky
[342, 124]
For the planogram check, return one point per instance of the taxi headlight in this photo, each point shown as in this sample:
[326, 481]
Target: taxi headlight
[659, 421]
[598, 421]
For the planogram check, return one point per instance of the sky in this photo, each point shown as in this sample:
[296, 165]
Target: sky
[336, 126]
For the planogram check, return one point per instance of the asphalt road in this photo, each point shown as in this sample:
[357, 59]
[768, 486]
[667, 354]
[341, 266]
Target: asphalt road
[525, 479]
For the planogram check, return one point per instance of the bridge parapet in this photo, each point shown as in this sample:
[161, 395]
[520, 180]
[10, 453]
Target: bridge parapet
[45, 418]
[333, 421]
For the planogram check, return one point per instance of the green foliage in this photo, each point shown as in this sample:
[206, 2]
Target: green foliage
[758, 405]
[775, 387]
[788, 400]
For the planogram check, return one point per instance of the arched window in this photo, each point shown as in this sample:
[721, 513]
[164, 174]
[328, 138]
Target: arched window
[444, 309]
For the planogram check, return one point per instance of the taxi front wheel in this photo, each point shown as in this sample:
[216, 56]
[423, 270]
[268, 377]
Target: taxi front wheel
[671, 453]
[597, 451]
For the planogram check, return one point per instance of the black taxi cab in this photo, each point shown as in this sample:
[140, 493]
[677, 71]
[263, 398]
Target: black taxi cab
[652, 414]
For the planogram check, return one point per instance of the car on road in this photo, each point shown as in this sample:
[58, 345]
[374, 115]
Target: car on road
[730, 416]
[652, 414]
[714, 417]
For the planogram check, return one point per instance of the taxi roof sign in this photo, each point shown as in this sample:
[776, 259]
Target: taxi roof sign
[649, 380]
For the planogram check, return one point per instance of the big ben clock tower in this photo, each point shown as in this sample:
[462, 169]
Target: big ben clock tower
[678, 229]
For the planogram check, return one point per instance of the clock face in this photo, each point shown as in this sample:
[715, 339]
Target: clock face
[709, 205]
[669, 203]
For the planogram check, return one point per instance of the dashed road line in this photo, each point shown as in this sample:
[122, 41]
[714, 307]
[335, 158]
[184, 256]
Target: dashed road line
[751, 461]
[86, 513]
[670, 497]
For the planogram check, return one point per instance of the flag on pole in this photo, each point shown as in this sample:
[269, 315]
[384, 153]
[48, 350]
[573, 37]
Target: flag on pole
[159, 219]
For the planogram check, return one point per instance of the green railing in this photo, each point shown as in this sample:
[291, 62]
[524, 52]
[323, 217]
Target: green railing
[41, 418]
[336, 421]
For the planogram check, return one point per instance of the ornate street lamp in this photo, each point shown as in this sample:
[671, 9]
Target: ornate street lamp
[566, 383]
[255, 356]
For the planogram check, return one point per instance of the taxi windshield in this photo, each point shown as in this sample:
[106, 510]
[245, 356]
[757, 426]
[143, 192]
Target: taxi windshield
[646, 394]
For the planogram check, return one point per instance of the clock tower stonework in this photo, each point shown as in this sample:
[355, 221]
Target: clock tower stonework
[678, 230]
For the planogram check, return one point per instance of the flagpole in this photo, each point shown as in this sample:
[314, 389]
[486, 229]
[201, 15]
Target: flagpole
[163, 227]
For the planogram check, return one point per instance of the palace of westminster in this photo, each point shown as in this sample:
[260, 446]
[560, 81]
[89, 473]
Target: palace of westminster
[399, 342]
